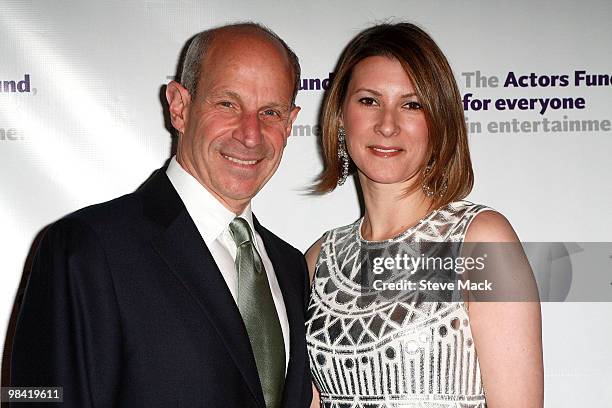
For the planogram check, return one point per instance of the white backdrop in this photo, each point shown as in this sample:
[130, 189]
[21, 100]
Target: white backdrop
[81, 122]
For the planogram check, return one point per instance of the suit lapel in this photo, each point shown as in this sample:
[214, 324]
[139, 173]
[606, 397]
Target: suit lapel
[292, 296]
[181, 246]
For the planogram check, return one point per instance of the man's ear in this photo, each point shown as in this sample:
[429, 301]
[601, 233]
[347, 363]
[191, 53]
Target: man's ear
[292, 116]
[178, 101]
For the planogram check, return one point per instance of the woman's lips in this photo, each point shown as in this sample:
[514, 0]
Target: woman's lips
[385, 151]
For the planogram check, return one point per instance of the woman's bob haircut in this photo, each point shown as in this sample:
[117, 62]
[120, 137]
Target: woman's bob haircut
[447, 173]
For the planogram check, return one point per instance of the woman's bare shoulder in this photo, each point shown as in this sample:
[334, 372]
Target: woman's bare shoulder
[312, 254]
[490, 226]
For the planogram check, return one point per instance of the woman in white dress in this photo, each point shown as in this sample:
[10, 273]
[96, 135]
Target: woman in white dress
[393, 114]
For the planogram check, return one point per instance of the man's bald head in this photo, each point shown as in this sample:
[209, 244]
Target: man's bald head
[195, 58]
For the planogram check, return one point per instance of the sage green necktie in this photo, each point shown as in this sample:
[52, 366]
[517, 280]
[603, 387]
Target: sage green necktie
[259, 314]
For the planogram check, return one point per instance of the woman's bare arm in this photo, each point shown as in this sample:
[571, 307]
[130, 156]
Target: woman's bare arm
[507, 334]
[311, 259]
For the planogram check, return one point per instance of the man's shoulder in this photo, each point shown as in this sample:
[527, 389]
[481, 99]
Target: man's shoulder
[128, 209]
[284, 247]
[112, 212]
[106, 221]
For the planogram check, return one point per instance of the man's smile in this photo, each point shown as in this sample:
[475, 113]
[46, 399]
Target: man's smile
[242, 162]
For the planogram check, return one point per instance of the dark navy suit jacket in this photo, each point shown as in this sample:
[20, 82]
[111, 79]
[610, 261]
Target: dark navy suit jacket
[125, 307]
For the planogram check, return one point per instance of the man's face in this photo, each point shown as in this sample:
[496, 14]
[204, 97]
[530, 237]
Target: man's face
[235, 129]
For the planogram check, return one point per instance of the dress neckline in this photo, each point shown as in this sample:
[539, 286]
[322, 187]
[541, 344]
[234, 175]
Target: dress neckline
[427, 217]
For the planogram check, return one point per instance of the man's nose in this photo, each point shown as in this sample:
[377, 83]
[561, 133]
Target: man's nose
[387, 123]
[250, 129]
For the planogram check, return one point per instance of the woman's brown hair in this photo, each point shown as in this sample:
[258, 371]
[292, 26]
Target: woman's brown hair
[448, 171]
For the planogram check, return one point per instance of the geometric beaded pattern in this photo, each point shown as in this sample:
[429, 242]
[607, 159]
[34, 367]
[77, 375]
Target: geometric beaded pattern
[402, 353]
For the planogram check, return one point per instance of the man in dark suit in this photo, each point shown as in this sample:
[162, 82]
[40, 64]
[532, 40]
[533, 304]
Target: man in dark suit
[175, 295]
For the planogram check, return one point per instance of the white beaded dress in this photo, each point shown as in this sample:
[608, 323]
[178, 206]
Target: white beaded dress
[390, 354]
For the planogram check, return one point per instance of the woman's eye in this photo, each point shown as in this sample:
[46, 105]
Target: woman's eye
[367, 101]
[414, 105]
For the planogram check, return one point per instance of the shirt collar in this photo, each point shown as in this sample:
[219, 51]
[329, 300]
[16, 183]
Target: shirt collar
[210, 216]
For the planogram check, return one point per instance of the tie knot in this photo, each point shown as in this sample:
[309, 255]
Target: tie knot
[240, 231]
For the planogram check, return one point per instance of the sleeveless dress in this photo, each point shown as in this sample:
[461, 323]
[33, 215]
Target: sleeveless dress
[390, 354]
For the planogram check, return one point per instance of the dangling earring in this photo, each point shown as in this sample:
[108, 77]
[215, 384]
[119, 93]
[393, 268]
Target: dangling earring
[429, 192]
[426, 189]
[343, 155]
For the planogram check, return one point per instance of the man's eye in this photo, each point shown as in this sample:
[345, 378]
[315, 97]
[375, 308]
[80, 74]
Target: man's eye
[226, 104]
[414, 105]
[271, 114]
[367, 101]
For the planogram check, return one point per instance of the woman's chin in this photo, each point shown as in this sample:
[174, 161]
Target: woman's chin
[386, 178]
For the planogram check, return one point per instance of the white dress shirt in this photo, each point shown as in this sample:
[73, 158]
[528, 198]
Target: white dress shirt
[212, 220]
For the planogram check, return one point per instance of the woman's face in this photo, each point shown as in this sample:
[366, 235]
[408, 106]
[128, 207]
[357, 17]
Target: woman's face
[386, 132]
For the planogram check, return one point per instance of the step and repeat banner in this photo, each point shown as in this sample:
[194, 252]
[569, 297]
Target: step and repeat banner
[82, 121]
